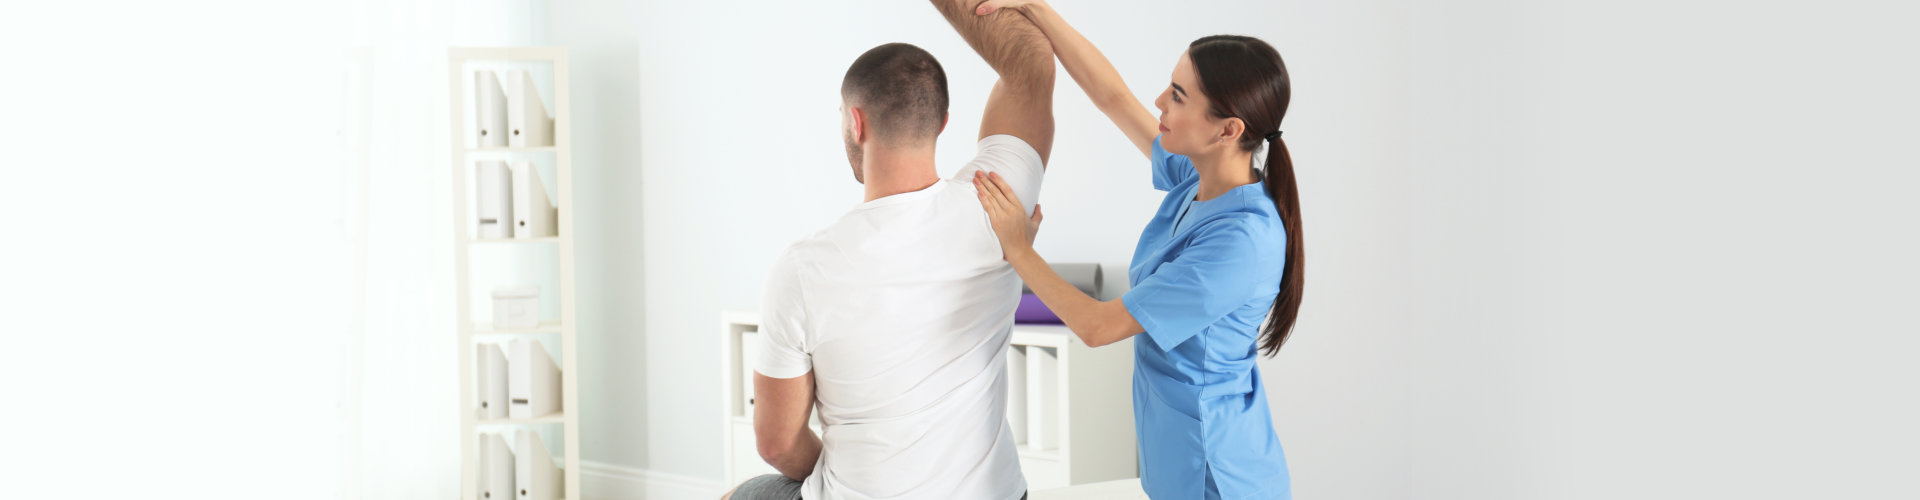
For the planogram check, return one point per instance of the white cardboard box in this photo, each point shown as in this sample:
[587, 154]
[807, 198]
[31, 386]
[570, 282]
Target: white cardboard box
[1017, 392]
[1043, 398]
[491, 365]
[493, 197]
[490, 110]
[534, 215]
[533, 381]
[516, 306]
[749, 352]
[497, 468]
[536, 478]
[528, 123]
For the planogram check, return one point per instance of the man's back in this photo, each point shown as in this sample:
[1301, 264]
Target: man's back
[902, 309]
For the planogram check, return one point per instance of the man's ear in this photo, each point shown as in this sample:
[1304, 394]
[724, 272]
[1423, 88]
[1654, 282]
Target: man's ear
[944, 119]
[858, 118]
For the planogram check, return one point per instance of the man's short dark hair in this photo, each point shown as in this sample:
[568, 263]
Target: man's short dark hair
[903, 91]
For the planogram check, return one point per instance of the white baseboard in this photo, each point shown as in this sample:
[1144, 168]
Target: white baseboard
[604, 481]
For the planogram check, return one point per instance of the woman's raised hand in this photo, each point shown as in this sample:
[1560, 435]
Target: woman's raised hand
[1010, 221]
[993, 5]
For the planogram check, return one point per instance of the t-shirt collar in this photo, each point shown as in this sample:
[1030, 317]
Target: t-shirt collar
[902, 197]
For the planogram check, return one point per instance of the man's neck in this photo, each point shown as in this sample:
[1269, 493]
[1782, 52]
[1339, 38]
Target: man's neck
[894, 171]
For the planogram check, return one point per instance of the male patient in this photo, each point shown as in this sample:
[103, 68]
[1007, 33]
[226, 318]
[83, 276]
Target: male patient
[894, 320]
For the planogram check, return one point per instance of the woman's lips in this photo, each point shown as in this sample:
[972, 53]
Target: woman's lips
[1163, 129]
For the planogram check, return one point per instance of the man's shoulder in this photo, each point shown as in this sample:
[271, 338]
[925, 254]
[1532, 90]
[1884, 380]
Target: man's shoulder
[808, 249]
[1006, 141]
[1007, 148]
[1012, 158]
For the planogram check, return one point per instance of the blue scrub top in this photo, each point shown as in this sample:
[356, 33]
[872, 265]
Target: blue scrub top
[1202, 284]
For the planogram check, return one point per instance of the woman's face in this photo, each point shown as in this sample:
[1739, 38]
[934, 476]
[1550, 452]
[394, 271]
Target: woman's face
[1186, 128]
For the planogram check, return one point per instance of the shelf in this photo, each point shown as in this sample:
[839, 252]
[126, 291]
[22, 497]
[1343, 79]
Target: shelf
[536, 149]
[1038, 453]
[483, 424]
[486, 329]
[498, 241]
[1055, 336]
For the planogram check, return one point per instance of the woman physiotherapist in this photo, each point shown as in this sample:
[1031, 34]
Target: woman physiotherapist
[1221, 254]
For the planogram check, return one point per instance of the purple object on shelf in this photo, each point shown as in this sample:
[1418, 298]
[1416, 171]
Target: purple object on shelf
[1032, 311]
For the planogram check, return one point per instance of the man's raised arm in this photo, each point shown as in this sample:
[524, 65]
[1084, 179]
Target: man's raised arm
[1021, 104]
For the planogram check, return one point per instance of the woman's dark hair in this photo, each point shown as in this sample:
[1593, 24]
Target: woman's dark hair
[1244, 78]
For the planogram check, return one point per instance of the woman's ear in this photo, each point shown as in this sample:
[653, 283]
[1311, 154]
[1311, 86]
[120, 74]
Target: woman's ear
[1230, 131]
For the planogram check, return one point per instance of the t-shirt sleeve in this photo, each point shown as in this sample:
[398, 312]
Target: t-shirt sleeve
[1015, 160]
[1212, 276]
[783, 325]
[1170, 169]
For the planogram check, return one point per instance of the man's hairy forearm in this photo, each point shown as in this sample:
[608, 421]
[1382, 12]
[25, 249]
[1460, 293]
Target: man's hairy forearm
[1010, 43]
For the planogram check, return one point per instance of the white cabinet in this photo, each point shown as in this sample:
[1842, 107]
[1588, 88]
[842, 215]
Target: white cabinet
[740, 343]
[743, 457]
[1070, 405]
[1078, 411]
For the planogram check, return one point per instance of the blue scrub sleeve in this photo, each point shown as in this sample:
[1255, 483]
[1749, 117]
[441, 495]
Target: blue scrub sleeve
[1212, 276]
[1169, 169]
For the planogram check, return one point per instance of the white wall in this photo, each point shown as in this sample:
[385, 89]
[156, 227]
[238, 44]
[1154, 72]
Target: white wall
[238, 269]
[1703, 283]
[1556, 250]
[603, 51]
[174, 260]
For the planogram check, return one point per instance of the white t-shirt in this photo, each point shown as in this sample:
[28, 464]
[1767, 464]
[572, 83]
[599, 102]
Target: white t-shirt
[902, 309]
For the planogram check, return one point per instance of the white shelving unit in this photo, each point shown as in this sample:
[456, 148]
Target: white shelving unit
[1087, 392]
[742, 455]
[1079, 406]
[546, 260]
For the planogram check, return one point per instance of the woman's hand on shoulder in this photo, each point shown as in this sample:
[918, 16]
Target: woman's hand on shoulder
[1010, 221]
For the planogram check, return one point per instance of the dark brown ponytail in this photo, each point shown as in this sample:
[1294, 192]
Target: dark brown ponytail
[1244, 78]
